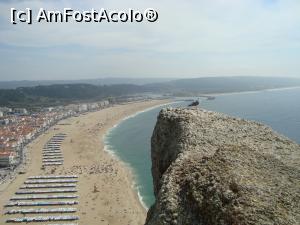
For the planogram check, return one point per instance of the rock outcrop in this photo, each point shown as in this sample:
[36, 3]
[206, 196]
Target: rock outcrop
[212, 169]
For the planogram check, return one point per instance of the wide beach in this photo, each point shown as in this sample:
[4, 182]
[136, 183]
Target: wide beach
[105, 185]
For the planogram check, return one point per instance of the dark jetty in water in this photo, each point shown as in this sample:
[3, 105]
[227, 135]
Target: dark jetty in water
[194, 103]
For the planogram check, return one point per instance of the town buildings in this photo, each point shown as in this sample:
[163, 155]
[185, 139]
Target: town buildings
[18, 127]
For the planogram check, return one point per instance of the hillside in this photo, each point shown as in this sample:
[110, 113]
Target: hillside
[55, 94]
[63, 93]
[100, 81]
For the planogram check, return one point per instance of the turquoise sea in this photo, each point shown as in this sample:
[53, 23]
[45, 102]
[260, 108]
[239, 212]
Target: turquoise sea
[130, 139]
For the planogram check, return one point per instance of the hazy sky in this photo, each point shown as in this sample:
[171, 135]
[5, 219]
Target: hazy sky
[192, 38]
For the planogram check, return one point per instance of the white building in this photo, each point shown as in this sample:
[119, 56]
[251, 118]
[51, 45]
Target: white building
[103, 103]
[82, 108]
[92, 106]
[8, 158]
[5, 110]
[20, 111]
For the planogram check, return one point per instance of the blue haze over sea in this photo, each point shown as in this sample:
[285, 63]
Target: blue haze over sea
[130, 140]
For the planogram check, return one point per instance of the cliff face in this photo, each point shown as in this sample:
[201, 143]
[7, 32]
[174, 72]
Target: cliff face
[211, 169]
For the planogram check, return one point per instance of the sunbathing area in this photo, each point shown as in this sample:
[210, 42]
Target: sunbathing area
[45, 198]
[52, 154]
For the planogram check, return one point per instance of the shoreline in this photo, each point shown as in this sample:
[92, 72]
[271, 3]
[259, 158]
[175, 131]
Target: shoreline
[110, 151]
[132, 175]
[117, 202]
[250, 92]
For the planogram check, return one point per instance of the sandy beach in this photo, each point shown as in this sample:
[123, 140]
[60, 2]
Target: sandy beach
[106, 195]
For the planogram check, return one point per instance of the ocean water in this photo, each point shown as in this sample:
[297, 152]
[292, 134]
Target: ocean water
[130, 139]
[280, 109]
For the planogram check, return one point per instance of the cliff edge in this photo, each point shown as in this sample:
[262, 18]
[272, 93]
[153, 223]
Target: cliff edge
[212, 169]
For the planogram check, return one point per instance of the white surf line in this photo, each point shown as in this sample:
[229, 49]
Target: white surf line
[41, 210]
[54, 177]
[40, 197]
[41, 203]
[43, 181]
[65, 190]
[35, 186]
[42, 219]
[254, 91]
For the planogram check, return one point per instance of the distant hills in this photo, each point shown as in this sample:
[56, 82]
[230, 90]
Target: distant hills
[56, 94]
[100, 81]
[59, 94]
[209, 85]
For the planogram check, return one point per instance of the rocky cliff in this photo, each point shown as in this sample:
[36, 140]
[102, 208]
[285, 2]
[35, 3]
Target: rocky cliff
[212, 169]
